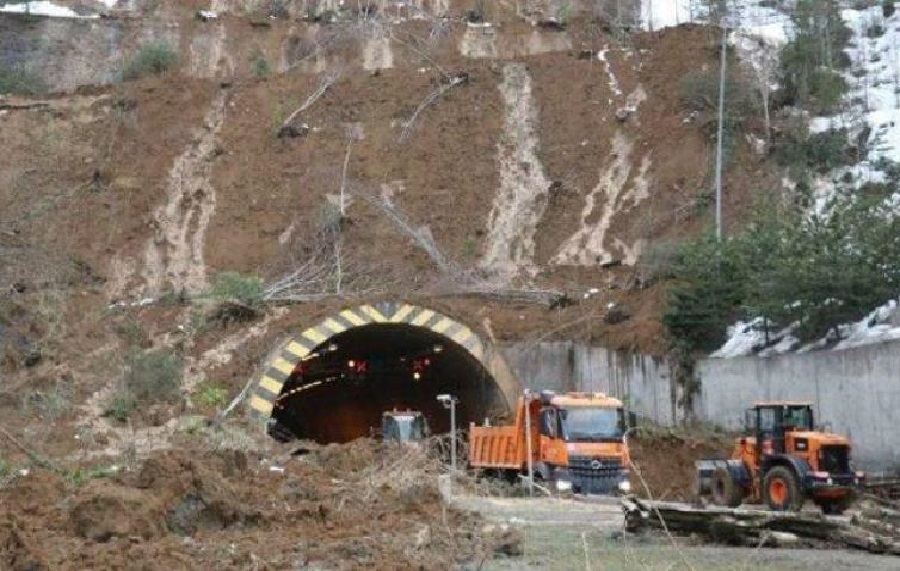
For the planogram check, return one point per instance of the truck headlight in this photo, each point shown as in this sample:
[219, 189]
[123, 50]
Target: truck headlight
[563, 486]
[625, 486]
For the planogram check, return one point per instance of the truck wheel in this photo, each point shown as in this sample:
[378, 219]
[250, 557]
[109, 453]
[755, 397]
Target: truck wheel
[725, 491]
[781, 490]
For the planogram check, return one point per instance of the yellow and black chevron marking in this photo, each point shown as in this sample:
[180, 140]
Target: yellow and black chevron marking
[282, 363]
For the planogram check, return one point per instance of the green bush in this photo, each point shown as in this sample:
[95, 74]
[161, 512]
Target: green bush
[152, 58]
[154, 376]
[819, 151]
[887, 8]
[232, 286]
[17, 80]
[212, 396]
[811, 60]
[259, 66]
[150, 377]
[812, 271]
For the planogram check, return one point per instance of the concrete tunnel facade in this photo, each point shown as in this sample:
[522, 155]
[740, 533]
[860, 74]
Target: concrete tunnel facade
[304, 384]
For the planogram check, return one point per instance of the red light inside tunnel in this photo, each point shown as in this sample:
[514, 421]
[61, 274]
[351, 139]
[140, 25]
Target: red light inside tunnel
[357, 366]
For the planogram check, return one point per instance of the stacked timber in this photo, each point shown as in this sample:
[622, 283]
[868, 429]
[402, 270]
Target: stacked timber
[875, 529]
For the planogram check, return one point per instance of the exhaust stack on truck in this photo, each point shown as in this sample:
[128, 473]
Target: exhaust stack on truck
[576, 441]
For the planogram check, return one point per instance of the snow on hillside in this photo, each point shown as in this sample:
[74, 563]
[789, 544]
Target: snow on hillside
[658, 14]
[874, 79]
[48, 9]
[874, 105]
[748, 338]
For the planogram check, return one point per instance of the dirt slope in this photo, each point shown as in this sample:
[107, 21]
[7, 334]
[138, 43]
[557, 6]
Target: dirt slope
[539, 158]
[337, 508]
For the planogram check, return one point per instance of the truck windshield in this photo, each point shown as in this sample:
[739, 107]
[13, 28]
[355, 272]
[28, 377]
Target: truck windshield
[798, 417]
[404, 427]
[586, 424]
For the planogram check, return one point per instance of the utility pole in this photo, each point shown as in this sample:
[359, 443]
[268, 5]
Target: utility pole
[721, 129]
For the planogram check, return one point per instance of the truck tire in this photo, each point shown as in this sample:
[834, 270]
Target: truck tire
[725, 491]
[781, 490]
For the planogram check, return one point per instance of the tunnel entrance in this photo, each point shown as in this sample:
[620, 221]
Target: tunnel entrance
[333, 381]
[340, 390]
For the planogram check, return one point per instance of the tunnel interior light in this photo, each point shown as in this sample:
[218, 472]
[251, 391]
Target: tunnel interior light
[351, 363]
[438, 348]
[417, 375]
[332, 347]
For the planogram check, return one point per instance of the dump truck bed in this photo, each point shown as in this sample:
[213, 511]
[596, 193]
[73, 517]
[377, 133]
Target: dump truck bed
[496, 447]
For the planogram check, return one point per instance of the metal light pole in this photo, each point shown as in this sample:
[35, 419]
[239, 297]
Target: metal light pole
[449, 402]
[721, 130]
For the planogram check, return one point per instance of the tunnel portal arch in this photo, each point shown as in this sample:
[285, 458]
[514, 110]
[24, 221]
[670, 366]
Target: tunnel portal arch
[281, 363]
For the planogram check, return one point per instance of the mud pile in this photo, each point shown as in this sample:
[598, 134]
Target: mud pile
[338, 507]
[665, 459]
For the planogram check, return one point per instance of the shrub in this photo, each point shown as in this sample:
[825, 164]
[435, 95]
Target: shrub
[232, 286]
[212, 396]
[887, 8]
[819, 151]
[152, 58]
[51, 405]
[154, 376]
[150, 377]
[259, 66]
[810, 60]
[17, 80]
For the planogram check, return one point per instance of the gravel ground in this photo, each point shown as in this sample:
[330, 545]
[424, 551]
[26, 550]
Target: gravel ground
[563, 534]
[585, 549]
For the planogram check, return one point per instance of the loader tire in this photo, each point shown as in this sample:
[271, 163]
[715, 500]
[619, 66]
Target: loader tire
[781, 490]
[725, 491]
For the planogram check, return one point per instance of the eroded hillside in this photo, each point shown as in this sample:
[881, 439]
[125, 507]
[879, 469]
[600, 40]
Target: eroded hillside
[473, 167]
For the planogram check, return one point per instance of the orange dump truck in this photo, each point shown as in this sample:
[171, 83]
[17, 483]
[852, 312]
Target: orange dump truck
[577, 442]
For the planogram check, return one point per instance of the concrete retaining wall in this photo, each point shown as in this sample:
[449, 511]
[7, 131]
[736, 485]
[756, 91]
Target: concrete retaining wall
[856, 391]
[643, 382]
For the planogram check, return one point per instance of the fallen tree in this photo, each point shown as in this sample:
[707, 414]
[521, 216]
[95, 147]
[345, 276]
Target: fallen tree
[873, 529]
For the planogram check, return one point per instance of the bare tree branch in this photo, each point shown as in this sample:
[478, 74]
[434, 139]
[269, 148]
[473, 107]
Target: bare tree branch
[327, 81]
[429, 99]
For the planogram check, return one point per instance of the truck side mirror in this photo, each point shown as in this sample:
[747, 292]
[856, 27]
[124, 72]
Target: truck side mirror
[632, 419]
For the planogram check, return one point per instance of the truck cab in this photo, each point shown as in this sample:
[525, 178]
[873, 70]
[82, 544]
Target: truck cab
[576, 442]
[582, 442]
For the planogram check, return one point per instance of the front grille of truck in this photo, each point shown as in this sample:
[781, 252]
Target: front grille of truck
[834, 459]
[593, 475]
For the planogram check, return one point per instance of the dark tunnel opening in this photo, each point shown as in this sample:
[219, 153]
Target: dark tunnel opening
[339, 392]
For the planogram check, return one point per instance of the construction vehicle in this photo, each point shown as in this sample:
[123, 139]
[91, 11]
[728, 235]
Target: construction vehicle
[403, 426]
[572, 441]
[781, 460]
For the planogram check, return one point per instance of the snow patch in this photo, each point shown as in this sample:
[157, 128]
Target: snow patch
[658, 14]
[47, 9]
[748, 337]
[874, 98]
